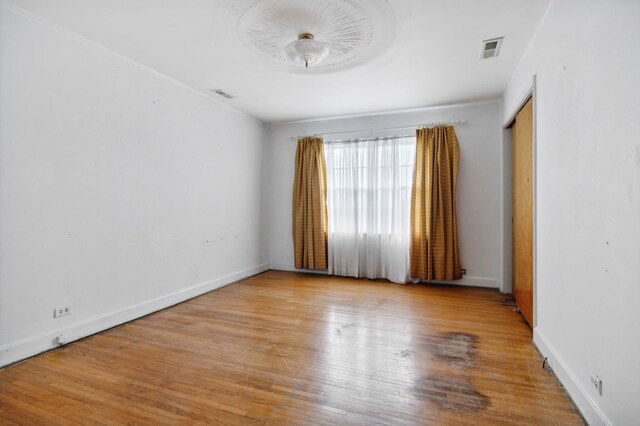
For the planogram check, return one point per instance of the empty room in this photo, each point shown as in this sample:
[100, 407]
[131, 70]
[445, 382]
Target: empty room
[320, 212]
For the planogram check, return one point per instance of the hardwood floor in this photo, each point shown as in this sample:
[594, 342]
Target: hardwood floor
[286, 348]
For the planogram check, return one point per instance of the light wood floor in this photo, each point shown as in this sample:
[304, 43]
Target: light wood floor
[285, 348]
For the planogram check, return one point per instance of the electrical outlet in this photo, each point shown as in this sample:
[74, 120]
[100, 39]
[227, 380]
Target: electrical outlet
[596, 382]
[60, 312]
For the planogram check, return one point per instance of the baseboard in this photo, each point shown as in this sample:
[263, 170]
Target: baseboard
[473, 282]
[585, 404]
[17, 351]
[465, 281]
[291, 268]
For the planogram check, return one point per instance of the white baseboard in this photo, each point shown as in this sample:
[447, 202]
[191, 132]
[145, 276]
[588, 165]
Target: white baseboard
[291, 268]
[586, 405]
[465, 281]
[473, 282]
[31, 346]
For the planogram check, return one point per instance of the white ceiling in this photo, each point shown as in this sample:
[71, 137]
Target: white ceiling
[433, 60]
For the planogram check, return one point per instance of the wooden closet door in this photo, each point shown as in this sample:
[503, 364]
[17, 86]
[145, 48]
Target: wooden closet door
[522, 249]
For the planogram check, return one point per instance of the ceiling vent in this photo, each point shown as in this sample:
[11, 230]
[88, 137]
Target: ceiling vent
[490, 48]
[223, 93]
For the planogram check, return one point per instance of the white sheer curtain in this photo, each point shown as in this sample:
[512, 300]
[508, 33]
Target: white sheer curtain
[368, 202]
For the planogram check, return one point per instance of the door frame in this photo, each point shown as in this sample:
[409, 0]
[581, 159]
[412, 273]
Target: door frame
[507, 234]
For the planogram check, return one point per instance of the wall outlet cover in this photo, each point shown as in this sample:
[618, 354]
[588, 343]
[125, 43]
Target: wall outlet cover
[596, 382]
[62, 311]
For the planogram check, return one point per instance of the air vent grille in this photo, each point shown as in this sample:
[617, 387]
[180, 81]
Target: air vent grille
[223, 93]
[491, 47]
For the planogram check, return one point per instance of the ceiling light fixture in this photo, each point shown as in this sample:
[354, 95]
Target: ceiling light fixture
[306, 50]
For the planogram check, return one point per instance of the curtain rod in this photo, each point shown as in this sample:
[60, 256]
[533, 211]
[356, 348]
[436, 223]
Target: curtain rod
[371, 139]
[419, 126]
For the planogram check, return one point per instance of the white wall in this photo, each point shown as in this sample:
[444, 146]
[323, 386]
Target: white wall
[479, 186]
[121, 191]
[586, 56]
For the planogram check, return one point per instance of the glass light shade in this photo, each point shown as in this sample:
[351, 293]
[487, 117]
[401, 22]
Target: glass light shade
[306, 52]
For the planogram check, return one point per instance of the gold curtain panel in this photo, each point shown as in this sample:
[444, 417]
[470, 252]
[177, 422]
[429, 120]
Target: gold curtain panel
[310, 205]
[435, 253]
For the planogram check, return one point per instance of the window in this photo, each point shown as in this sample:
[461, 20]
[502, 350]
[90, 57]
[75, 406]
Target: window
[368, 201]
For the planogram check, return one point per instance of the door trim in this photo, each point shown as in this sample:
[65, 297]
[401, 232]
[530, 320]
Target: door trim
[531, 92]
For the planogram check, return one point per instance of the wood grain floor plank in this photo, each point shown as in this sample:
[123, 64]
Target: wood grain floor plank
[286, 348]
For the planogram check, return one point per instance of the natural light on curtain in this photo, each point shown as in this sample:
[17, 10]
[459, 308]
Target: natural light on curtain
[368, 201]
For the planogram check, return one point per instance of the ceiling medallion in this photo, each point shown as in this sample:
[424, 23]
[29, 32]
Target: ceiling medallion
[309, 36]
